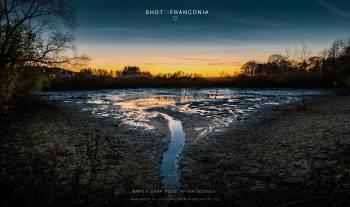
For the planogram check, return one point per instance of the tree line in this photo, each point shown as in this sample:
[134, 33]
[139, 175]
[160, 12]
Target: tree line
[129, 77]
[330, 69]
[129, 71]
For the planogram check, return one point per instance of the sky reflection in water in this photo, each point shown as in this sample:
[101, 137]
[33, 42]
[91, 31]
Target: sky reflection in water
[136, 107]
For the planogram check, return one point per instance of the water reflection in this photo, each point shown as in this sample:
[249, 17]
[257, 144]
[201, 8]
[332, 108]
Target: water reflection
[169, 165]
[137, 107]
[146, 103]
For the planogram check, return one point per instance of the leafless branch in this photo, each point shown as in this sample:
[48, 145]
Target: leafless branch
[36, 32]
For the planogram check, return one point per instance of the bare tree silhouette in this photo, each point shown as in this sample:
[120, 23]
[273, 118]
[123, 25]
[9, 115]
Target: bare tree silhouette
[36, 32]
[33, 33]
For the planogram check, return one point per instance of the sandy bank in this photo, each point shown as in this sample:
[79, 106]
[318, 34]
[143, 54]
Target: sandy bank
[300, 156]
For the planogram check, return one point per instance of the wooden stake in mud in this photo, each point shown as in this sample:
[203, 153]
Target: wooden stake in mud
[216, 93]
[185, 94]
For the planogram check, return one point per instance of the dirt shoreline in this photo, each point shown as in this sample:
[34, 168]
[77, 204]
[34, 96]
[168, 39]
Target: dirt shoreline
[53, 154]
[295, 156]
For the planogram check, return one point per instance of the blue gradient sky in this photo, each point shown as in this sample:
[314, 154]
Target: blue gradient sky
[117, 32]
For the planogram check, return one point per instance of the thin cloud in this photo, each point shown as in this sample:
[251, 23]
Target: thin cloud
[334, 9]
[253, 20]
[107, 29]
[141, 38]
[224, 40]
[194, 58]
[162, 63]
[218, 63]
[258, 22]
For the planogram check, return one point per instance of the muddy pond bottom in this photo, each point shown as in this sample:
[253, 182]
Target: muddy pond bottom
[169, 165]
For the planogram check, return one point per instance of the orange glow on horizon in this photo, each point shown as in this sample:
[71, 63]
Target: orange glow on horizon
[205, 60]
[201, 69]
[202, 61]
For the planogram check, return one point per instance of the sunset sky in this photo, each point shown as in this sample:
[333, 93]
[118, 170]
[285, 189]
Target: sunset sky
[116, 33]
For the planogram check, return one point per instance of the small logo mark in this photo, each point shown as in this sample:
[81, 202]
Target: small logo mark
[174, 18]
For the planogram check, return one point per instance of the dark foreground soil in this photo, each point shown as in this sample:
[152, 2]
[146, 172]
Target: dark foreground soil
[55, 155]
[291, 158]
[51, 155]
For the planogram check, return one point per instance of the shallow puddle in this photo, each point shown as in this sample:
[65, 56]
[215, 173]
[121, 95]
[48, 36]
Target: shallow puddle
[169, 165]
